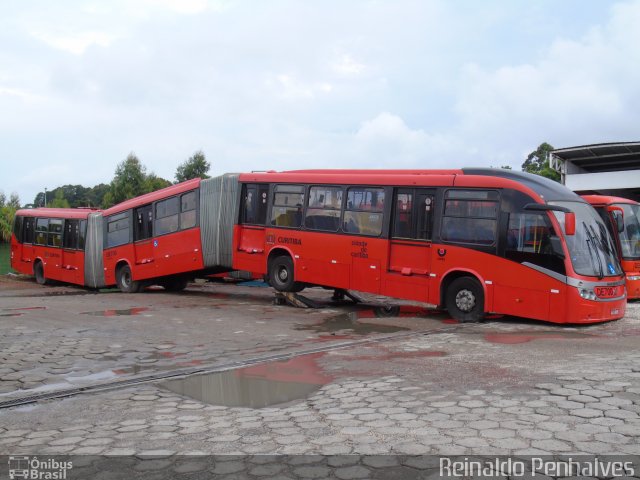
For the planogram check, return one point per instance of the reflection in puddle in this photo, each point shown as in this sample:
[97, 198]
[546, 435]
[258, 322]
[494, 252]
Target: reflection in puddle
[23, 308]
[115, 313]
[348, 322]
[11, 314]
[256, 386]
[525, 337]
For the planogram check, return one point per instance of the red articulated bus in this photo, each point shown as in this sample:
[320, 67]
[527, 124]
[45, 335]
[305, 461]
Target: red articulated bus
[164, 238]
[472, 240]
[49, 243]
[154, 236]
[625, 230]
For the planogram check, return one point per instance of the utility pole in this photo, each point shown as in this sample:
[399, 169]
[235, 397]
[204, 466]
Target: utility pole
[45, 197]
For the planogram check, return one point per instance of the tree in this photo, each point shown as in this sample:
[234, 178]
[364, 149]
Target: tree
[58, 200]
[128, 181]
[538, 162]
[7, 213]
[152, 182]
[196, 167]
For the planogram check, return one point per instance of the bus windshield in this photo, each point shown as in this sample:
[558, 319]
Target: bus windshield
[591, 249]
[630, 236]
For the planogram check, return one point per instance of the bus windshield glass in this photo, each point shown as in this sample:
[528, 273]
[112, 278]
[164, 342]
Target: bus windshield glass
[591, 249]
[630, 236]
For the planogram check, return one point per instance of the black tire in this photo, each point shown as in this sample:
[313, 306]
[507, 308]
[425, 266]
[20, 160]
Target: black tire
[38, 272]
[176, 284]
[387, 311]
[464, 300]
[281, 275]
[125, 280]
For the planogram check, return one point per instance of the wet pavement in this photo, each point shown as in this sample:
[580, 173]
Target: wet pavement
[268, 379]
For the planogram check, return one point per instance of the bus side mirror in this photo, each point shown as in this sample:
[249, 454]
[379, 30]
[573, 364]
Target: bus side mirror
[618, 216]
[570, 223]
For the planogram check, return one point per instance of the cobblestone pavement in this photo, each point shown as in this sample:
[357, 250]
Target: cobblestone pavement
[501, 387]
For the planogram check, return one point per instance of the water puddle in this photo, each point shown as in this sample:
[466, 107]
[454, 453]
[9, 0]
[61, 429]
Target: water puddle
[385, 354]
[115, 313]
[510, 338]
[11, 314]
[257, 386]
[23, 308]
[348, 323]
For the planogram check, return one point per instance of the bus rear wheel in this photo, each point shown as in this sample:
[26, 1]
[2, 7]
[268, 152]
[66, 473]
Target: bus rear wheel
[281, 275]
[38, 271]
[125, 280]
[464, 300]
[176, 284]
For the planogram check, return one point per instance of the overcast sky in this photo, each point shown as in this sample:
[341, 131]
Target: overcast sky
[298, 84]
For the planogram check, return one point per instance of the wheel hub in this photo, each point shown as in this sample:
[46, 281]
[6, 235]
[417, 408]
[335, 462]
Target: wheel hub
[465, 300]
[283, 275]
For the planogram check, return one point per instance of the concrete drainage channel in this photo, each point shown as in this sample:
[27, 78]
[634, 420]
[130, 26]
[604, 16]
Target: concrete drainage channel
[15, 402]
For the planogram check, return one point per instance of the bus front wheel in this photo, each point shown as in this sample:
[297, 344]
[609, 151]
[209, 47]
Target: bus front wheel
[281, 275]
[465, 300]
[38, 271]
[125, 280]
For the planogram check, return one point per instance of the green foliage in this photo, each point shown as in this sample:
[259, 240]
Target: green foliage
[131, 180]
[195, 167]
[59, 201]
[538, 162]
[7, 213]
[152, 183]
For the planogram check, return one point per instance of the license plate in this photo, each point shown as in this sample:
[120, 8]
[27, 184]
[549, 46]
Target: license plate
[614, 311]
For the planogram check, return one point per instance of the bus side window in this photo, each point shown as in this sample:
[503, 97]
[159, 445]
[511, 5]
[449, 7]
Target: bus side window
[167, 216]
[42, 227]
[117, 229]
[287, 206]
[18, 228]
[470, 216]
[82, 233]
[402, 218]
[27, 231]
[364, 211]
[54, 237]
[323, 212]
[531, 238]
[188, 208]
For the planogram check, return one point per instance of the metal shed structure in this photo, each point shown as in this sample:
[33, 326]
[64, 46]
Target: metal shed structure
[603, 168]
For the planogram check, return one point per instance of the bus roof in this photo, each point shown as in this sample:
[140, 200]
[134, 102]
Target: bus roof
[545, 188]
[166, 192]
[81, 213]
[607, 200]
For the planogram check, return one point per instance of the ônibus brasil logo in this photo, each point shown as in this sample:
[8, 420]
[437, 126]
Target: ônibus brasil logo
[33, 468]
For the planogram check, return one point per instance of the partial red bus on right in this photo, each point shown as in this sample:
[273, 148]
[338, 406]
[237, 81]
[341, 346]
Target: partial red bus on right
[625, 230]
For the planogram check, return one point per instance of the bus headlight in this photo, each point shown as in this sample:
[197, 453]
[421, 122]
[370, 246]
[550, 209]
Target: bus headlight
[633, 277]
[587, 294]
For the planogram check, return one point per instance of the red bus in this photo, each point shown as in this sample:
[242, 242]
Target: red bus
[626, 238]
[165, 238]
[154, 236]
[169, 236]
[472, 240]
[49, 243]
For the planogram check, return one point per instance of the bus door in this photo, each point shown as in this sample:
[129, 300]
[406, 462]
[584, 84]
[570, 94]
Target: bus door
[28, 233]
[72, 258]
[143, 248]
[251, 235]
[410, 245]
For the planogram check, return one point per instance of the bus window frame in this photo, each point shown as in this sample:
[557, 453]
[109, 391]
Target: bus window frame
[340, 210]
[116, 217]
[475, 245]
[384, 223]
[45, 232]
[301, 207]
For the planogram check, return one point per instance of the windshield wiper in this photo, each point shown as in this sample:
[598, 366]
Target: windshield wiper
[593, 250]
